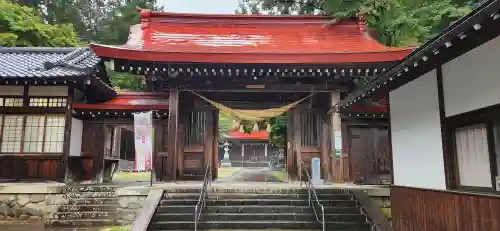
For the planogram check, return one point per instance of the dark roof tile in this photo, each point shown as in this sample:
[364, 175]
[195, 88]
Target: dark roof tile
[46, 62]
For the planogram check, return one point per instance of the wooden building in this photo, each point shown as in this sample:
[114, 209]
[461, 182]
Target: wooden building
[249, 61]
[37, 89]
[444, 123]
[241, 61]
[250, 149]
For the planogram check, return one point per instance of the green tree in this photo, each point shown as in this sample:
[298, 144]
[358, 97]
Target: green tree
[393, 22]
[22, 26]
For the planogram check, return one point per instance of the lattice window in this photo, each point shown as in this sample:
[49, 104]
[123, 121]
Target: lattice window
[13, 102]
[12, 133]
[310, 130]
[54, 134]
[32, 134]
[1, 102]
[47, 102]
[57, 102]
[195, 134]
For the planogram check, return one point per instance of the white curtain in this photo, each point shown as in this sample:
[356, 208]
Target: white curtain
[473, 156]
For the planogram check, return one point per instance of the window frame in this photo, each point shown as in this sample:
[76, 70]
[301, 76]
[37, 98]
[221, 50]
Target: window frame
[22, 142]
[490, 117]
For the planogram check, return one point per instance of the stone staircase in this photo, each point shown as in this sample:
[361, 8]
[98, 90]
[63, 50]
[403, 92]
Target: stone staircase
[88, 206]
[270, 209]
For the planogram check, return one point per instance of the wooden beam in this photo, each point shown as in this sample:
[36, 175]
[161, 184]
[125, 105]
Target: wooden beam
[209, 139]
[326, 136]
[290, 147]
[67, 131]
[173, 128]
[297, 142]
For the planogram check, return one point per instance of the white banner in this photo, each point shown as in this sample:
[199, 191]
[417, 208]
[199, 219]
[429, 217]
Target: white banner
[143, 132]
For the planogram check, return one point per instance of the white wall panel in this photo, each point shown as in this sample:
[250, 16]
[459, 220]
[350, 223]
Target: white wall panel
[416, 134]
[48, 91]
[12, 90]
[75, 144]
[472, 81]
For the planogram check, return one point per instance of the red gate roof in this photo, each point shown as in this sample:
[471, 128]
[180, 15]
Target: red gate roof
[254, 135]
[130, 101]
[174, 37]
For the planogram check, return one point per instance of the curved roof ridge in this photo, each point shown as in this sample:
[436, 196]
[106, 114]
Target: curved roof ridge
[147, 13]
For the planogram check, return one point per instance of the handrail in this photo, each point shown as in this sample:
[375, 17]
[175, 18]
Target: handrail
[203, 195]
[310, 193]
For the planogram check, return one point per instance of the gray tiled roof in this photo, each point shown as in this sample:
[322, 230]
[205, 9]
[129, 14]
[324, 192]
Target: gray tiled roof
[25, 62]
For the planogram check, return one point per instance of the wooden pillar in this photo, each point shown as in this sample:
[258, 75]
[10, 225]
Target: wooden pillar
[215, 157]
[290, 153]
[173, 133]
[336, 128]
[325, 148]
[297, 142]
[209, 141]
[67, 133]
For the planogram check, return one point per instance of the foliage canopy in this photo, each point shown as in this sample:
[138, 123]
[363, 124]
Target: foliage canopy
[21, 26]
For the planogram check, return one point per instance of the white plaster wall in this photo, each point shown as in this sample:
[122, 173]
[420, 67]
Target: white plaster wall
[416, 134]
[75, 144]
[472, 81]
[12, 90]
[48, 91]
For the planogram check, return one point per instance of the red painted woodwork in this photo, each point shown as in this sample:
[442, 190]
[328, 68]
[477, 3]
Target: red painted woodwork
[31, 167]
[130, 101]
[258, 135]
[415, 209]
[173, 37]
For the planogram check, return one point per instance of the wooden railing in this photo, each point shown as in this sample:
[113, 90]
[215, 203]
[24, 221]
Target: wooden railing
[415, 209]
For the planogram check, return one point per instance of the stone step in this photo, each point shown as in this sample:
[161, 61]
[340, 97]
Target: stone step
[255, 209]
[223, 196]
[256, 190]
[258, 224]
[87, 208]
[237, 202]
[259, 216]
[80, 223]
[93, 201]
[83, 215]
[89, 194]
[275, 190]
[88, 188]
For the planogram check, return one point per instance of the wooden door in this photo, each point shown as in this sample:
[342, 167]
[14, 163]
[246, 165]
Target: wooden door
[161, 154]
[370, 159]
[92, 152]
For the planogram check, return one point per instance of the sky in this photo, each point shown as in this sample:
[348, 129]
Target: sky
[200, 6]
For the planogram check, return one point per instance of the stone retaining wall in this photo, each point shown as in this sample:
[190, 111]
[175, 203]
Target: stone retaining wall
[129, 204]
[30, 202]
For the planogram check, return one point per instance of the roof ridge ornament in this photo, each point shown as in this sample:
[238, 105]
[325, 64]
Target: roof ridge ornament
[145, 15]
[361, 23]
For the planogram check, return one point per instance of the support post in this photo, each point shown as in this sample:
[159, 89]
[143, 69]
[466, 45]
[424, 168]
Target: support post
[173, 128]
[297, 142]
[336, 128]
[67, 132]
